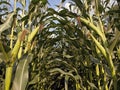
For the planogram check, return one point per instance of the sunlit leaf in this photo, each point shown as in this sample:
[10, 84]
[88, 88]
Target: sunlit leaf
[3, 55]
[92, 85]
[35, 80]
[115, 40]
[2, 58]
[22, 75]
[67, 56]
[118, 52]
[7, 23]
[100, 47]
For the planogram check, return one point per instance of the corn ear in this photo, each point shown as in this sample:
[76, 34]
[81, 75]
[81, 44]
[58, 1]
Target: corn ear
[20, 51]
[30, 38]
[15, 49]
[33, 33]
[14, 53]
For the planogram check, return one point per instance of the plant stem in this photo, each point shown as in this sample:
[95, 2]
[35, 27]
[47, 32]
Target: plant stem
[11, 41]
[11, 37]
[113, 71]
[105, 81]
[30, 38]
[9, 68]
[94, 28]
[66, 82]
[8, 77]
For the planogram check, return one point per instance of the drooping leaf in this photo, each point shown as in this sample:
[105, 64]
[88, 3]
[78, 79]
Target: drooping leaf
[5, 2]
[117, 36]
[79, 3]
[4, 9]
[2, 57]
[94, 28]
[3, 54]
[8, 23]
[61, 71]
[21, 75]
[44, 2]
[35, 1]
[67, 56]
[118, 52]
[100, 47]
[35, 80]
[66, 82]
[92, 85]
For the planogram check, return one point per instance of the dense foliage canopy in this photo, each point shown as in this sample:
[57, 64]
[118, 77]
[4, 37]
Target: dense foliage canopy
[74, 48]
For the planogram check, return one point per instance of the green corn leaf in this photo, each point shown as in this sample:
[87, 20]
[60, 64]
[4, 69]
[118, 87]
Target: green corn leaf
[34, 80]
[100, 47]
[33, 33]
[79, 3]
[7, 24]
[118, 52]
[61, 71]
[92, 85]
[94, 28]
[21, 74]
[35, 1]
[16, 48]
[67, 55]
[31, 36]
[66, 82]
[115, 40]
[8, 77]
[3, 54]
[2, 57]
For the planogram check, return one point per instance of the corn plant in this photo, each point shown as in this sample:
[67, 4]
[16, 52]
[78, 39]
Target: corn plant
[19, 34]
[45, 49]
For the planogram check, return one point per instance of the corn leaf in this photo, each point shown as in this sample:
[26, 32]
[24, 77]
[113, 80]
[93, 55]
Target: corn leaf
[93, 27]
[21, 75]
[92, 85]
[3, 54]
[7, 24]
[34, 80]
[117, 36]
[118, 52]
[100, 47]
